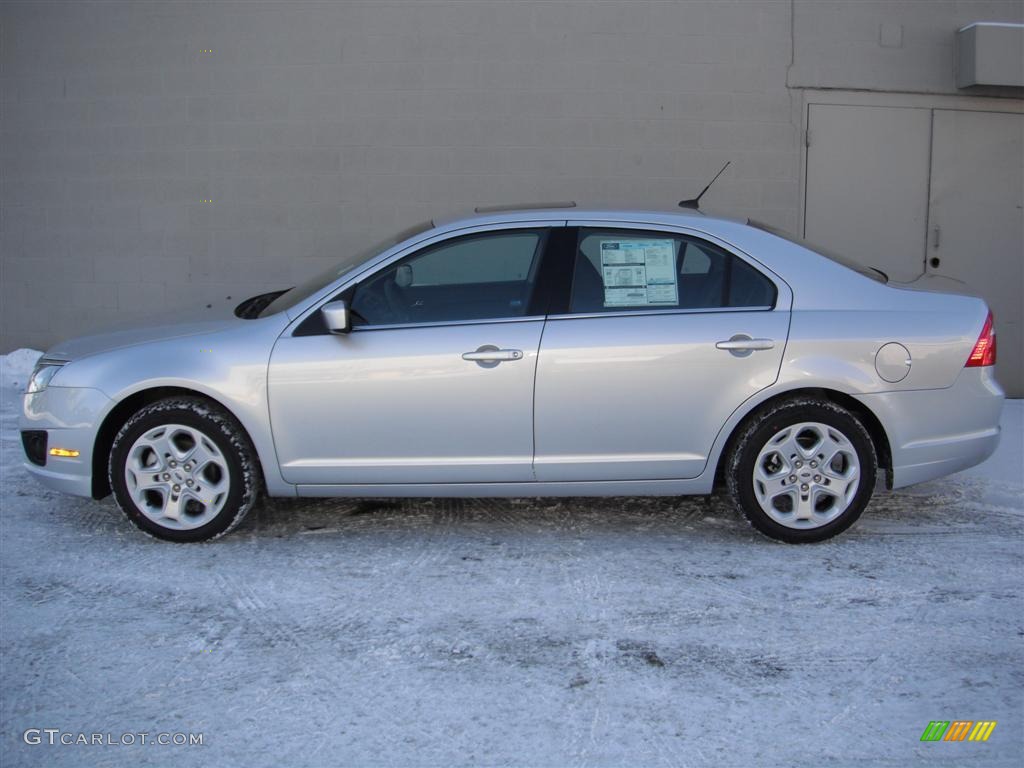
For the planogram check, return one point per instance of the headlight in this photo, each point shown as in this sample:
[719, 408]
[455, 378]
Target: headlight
[44, 371]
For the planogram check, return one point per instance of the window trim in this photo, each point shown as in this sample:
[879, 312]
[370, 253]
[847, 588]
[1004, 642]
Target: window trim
[675, 311]
[447, 323]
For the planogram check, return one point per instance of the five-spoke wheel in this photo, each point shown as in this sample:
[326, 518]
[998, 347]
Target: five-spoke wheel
[806, 475]
[183, 470]
[803, 470]
[177, 476]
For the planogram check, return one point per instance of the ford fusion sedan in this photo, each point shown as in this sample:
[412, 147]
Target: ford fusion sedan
[544, 352]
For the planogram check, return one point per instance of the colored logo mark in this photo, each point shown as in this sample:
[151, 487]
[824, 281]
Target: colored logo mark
[958, 730]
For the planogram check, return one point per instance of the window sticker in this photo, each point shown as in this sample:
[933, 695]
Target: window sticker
[639, 273]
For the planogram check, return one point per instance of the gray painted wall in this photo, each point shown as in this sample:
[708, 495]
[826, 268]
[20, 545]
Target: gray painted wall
[314, 128]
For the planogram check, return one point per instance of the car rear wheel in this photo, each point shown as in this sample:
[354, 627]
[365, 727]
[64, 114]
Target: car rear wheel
[803, 470]
[184, 470]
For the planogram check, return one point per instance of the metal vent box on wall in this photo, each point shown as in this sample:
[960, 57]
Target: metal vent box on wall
[990, 53]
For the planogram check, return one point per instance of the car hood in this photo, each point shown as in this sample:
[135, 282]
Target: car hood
[211, 318]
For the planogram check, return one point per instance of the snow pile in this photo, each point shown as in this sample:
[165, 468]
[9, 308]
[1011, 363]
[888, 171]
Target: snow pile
[16, 367]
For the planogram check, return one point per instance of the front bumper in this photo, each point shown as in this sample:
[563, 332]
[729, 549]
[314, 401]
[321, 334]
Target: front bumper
[70, 416]
[936, 432]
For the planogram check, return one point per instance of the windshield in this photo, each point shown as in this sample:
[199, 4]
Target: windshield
[873, 272]
[304, 290]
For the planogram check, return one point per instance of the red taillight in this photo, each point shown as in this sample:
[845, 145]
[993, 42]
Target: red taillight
[984, 352]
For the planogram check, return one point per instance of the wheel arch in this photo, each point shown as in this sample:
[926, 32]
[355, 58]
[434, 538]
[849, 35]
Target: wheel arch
[124, 410]
[864, 414]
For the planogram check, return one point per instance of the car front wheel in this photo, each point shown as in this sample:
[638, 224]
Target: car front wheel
[183, 470]
[803, 470]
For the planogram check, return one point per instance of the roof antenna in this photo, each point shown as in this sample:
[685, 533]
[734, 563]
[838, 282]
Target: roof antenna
[695, 203]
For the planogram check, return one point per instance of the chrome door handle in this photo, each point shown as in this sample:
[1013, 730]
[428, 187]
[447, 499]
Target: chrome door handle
[493, 355]
[743, 343]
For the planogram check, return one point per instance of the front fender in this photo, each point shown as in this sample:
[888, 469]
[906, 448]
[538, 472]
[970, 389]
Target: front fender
[229, 367]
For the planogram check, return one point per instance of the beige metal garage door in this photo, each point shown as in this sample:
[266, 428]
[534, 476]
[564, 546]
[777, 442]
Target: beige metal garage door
[914, 190]
[976, 219]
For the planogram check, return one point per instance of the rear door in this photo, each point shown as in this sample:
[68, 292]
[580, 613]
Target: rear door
[662, 336]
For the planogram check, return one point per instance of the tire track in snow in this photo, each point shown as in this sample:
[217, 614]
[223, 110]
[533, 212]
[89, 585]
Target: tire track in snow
[266, 624]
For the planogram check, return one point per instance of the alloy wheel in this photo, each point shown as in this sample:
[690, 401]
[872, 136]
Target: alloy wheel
[806, 475]
[177, 476]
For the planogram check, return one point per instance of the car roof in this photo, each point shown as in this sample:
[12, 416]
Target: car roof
[682, 218]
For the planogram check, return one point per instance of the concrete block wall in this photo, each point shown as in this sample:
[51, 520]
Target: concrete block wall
[157, 156]
[888, 45]
[316, 128]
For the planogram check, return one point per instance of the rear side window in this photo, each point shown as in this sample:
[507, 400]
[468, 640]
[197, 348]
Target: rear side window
[623, 270]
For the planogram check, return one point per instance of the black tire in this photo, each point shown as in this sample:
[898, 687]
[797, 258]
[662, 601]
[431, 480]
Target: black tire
[755, 435]
[243, 469]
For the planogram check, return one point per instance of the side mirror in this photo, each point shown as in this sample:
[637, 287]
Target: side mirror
[337, 316]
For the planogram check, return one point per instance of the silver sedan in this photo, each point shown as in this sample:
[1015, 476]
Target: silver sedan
[540, 352]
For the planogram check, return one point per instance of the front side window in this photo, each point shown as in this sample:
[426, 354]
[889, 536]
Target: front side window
[623, 270]
[476, 277]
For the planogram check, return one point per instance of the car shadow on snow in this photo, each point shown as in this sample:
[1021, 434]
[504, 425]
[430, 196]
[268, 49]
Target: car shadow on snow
[942, 507]
[938, 508]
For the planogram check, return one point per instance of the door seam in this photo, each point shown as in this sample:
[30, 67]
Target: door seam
[533, 403]
[928, 198]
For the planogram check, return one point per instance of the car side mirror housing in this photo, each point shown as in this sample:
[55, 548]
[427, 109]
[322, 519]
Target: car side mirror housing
[337, 316]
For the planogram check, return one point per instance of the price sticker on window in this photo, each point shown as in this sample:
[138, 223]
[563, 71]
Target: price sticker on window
[639, 273]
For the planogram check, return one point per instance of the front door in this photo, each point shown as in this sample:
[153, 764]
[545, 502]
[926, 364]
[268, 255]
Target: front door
[663, 337]
[435, 381]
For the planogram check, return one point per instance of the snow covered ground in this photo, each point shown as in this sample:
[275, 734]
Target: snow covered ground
[654, 632]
